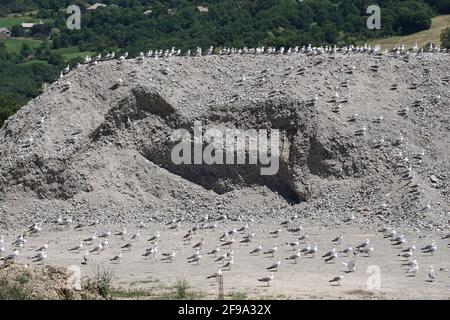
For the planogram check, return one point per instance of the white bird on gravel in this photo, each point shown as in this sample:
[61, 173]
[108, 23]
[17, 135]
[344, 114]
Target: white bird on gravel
[127, 246]
[116, 258]
[97, 249]
[332, 257]
[410, 263]
[215, 251]
[294, 257]
[199, 244]
[431, 248]
[275, 266]
[78, 247]
[313, 250]
[44, 247]
[271, 251]
[155, 236]
[276, 233]
[367, 250]
[150, 252]
[40, 257]
[337, 279]
[215, 275]
[135, 236]
[338, 239]
[105, 234]
[91, 238]
[169, 256]
[363, 245]
[122, 233]
[196, 259]
[256, 250]
[432, 274]
[350, 265]
[413, 270]
[266, 279]
[11, 257]
[347, 250]
[229, 264]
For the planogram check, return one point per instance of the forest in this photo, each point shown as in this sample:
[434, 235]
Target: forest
[123, 26]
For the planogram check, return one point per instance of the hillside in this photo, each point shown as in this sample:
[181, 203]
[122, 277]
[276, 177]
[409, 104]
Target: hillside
[433, 34]
[100, 149]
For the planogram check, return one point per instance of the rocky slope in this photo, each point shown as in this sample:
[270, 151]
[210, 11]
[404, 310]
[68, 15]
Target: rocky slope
[101, 148]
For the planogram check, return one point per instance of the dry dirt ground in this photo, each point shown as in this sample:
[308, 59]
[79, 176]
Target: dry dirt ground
[306, 280]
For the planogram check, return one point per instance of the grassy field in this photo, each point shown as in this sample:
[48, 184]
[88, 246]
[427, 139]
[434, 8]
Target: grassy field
[433, 34]
[73, 52]
[14, 44]
[8, 22]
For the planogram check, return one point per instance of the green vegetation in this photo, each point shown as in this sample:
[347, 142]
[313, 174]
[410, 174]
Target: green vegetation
[9, 22]
[16, 290]
[14, 45]
[445, 38]
[101, 284]
[433, 35]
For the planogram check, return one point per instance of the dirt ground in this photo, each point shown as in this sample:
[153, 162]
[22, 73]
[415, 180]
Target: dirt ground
[306, 280]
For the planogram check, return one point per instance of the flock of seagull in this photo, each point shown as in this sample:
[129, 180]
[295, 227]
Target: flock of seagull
[306, 50]
[229, 240]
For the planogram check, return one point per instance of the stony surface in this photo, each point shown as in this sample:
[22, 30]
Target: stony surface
[100, 149]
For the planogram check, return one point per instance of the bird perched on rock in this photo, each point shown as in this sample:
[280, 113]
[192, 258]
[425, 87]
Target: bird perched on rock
[274, 267]
[337, 279]
[266, 279]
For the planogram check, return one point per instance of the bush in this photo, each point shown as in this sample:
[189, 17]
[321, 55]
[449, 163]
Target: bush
[445, 38]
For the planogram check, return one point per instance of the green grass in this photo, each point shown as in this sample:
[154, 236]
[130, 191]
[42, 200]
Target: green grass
[70, 53]
[433, 34]
[9, 22]
[14, 45]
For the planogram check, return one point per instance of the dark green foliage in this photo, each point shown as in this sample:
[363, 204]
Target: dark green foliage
[445, 38]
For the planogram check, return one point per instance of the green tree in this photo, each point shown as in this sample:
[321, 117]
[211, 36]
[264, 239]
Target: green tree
[445, 38]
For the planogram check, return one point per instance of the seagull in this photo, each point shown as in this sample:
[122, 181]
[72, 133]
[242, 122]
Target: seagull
[413, 270]
[85, 258]
[122, 233]
[155, 237]
[97, 249]
[91, 239]
[275, 266]
[313, 250]
[169, 256]
[94, 223]
[368, 251]
[105, 234]
[293, 244]
[295, 257]
[267, 279]
[150, 252]
[11, 257]
[303, 238]
[256, 250]
[432, 274]
[243, 229]
[215, 251]
[127, 246]
[350, 266]
[44, 247]
[338, 239]
[228, 243]
[332, 257]
[410, 263]
[337, 279]
[116, 258]
[363, 245]
[411, 248]
[40, 257]
[347, 250]
[78, 247]
[228, 264]
[199, 244]
[215, 275]
[196, 259]
[447, 236]
[329, 253]
[135, 236]
[276, 233]
[431, 248]
[271, 251]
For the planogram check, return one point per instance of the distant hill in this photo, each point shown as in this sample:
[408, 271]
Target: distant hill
[433, 34]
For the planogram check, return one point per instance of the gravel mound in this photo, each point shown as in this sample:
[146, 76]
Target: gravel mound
[99, 147]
